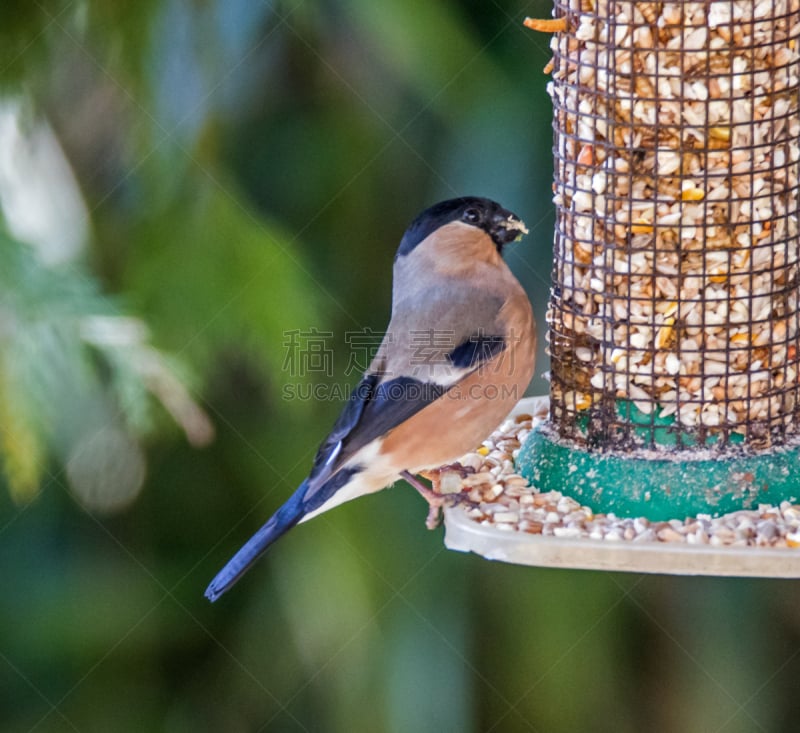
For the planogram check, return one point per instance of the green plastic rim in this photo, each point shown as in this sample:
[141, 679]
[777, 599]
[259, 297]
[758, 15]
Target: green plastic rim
[659, 488]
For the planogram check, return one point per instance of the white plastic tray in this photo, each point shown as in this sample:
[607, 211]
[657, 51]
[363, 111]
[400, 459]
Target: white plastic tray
[520, 548]
[464, 535]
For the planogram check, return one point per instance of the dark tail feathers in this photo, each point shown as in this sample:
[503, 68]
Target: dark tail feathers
[282, 521]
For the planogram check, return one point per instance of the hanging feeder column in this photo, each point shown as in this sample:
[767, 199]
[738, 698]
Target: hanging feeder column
[674, 322]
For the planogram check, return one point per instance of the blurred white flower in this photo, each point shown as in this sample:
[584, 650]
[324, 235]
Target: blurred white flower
[39, 196]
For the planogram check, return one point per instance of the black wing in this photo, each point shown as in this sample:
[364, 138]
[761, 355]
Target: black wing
[476, 350]
[329, 455]
[376, 406]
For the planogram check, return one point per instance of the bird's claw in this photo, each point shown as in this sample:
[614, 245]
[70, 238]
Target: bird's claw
[434, 475]
[434, 518]
[435, 507]
[436, 501]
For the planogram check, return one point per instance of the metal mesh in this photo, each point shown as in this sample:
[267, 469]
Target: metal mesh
[674, 311]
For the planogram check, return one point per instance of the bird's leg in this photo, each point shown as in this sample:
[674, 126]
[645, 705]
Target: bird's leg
[435, 500]
[435, 497]
[427, 493]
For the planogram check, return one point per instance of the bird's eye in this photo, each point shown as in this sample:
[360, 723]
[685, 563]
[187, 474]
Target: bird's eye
[472, 216]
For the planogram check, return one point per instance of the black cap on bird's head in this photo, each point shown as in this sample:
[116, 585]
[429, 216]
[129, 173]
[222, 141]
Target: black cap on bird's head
[499, 223]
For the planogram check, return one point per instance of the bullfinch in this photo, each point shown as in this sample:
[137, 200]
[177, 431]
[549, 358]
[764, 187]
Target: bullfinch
[457, 355]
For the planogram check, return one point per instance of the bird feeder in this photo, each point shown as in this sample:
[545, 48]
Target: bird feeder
[674, 328]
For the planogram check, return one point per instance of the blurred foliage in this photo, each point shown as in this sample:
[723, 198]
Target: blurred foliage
[246, 170]
[74, 380]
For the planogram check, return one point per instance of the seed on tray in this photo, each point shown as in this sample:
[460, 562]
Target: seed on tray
[507, 502]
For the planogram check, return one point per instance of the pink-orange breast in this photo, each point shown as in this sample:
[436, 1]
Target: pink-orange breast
[464, 416]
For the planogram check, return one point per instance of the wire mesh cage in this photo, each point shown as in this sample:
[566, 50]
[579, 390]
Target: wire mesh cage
[674, 318]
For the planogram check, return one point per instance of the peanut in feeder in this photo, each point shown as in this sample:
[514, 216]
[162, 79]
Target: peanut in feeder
[674, 321]
[674, 313]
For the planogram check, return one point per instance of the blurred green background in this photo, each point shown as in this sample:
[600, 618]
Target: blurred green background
[187, 189]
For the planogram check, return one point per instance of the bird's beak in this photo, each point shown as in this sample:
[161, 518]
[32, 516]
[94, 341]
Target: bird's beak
[506, 227]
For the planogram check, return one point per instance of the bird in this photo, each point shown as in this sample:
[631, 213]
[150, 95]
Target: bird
[458, 353]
